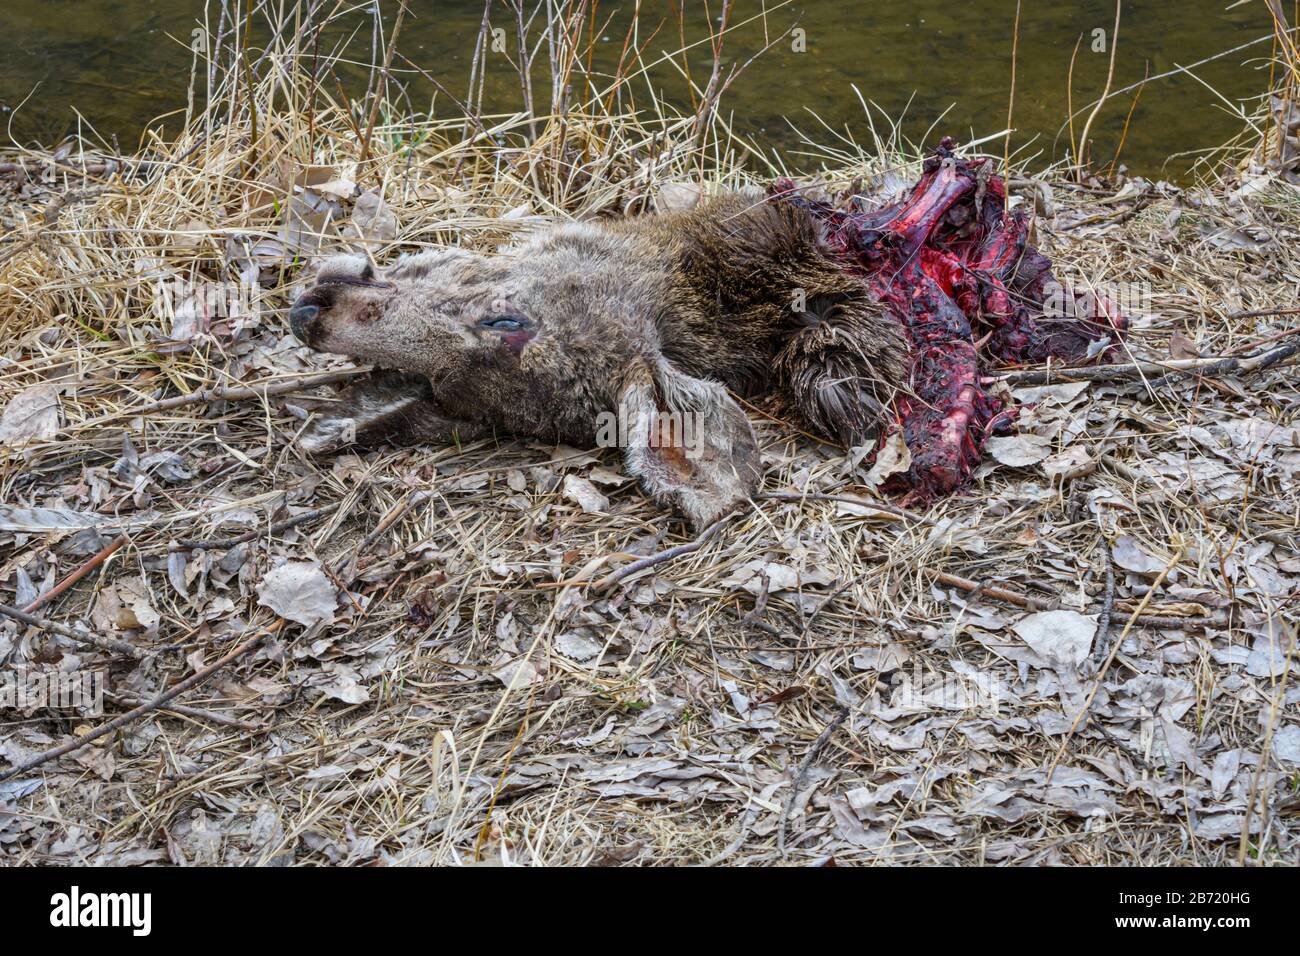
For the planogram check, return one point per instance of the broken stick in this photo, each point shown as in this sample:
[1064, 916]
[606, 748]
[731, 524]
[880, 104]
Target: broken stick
[676, 552]
[237, 393]
[81, 637]
[801, 772]
[95, 561]
[1163, 371]
[1028, 603]
[193, 680]
[224, 544]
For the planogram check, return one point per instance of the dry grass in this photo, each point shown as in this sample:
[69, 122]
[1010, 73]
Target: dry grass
[475, 697]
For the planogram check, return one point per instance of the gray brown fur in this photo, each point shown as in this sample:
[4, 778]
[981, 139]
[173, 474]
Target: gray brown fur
[661, 313]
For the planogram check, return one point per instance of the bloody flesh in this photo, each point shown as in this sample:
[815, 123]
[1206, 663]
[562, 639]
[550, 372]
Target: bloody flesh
[959, 273]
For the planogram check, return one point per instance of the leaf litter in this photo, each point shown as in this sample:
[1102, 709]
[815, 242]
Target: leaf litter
[451, 686]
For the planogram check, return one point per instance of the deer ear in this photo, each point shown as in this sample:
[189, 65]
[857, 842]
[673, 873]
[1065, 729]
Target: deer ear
[688, 442]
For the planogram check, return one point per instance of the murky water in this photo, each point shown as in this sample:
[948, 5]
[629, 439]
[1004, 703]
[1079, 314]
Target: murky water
[116, 64]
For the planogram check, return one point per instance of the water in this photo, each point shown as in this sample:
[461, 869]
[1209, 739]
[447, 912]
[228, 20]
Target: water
[115, 66]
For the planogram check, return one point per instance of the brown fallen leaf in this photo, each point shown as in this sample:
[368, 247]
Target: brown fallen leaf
[31, 415]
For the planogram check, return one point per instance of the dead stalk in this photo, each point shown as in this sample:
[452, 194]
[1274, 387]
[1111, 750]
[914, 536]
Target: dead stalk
[1083, 158]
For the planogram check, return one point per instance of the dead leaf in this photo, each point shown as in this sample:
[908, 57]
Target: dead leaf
[606, 476]
[31, 415]
[1070, 463]
[373, 219]
[1061, 636]
[343, 685]
[306, 222]
[1269, 652]
[1286, 744]
[780, 577]
[188, 236]
[677, 197]
[124, 605]
[516, 674]
[1018, 451]
[576, 647]
[299, 591]
[1130, 556]
[584, 494]
[1239, 238]
[1062, 394]
[893, 458]
[1181, 347]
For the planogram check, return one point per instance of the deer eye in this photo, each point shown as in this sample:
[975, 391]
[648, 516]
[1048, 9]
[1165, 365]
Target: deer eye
[502, 323]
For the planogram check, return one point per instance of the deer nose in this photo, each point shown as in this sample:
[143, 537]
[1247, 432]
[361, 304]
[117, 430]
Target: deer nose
[301, 318]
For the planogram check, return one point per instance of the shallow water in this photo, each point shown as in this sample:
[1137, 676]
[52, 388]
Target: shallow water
[120, 64]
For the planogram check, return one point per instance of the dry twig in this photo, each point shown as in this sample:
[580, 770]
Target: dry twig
[198, 677]
[83, 637]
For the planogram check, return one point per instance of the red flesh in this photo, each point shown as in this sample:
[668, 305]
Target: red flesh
[954, 267]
